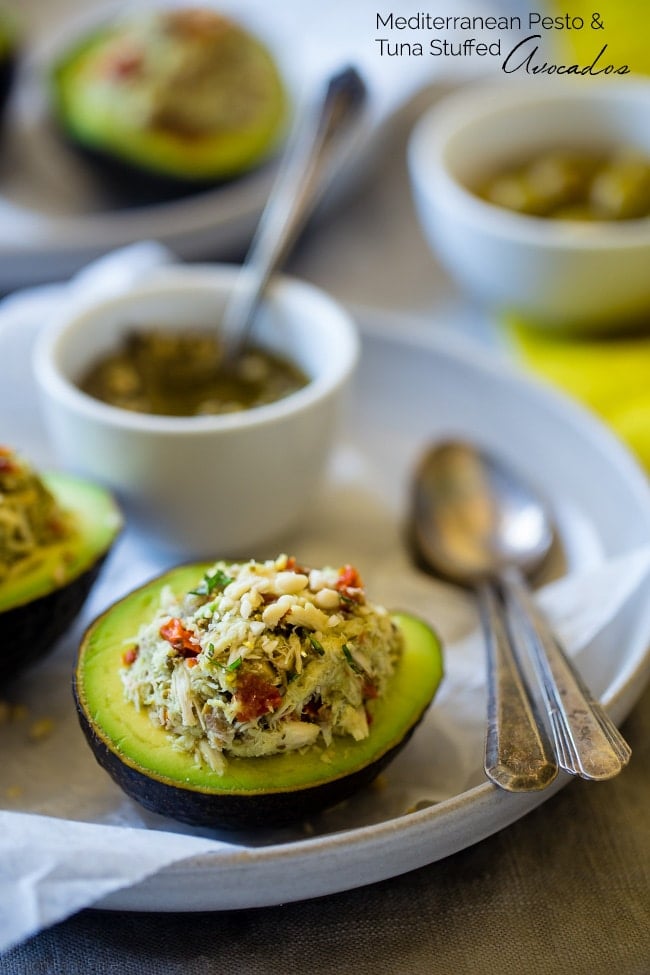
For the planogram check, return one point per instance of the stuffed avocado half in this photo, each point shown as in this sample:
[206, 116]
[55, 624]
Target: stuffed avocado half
[170, 101]
[251, 694]
[55, 532]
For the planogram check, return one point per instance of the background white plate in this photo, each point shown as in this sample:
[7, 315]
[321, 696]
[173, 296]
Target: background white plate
[409, 390]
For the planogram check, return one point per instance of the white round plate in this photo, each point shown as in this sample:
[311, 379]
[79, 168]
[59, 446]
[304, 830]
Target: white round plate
[434, 799]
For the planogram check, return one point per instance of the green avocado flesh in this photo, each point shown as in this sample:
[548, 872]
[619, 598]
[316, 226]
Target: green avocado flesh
[252, 791]
[40, 598]
[96, 123]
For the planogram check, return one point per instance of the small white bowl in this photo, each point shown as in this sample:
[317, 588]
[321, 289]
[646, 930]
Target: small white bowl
[210, 485]
[554, 273]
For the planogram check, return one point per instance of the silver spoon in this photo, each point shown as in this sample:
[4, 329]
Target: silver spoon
[308, 165]
[477, 523]
[449, 522]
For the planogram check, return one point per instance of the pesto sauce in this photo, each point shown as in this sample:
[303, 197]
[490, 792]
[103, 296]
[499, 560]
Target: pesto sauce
[180, 374]
[575, 185]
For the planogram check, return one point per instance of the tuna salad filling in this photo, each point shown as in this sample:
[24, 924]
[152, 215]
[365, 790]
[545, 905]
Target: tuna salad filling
[30, 518]
[261, 658]
[189, 71]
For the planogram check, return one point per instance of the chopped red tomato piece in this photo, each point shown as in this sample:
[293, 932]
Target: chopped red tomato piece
[130, 656]
[8, 464]
[124, 65]
[292, 566]
[349, 584]
[369, 691]
[255, 697]
[182, 639]
[349, 578]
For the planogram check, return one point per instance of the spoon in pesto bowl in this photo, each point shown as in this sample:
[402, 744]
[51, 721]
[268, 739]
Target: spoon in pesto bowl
[314, 151]
[477, 523]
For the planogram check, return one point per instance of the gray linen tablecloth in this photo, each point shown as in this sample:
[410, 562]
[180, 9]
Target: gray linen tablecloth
[567, 889]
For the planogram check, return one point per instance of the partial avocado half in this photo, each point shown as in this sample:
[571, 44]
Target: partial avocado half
[41, 599]
[148, 161]
[268, 791]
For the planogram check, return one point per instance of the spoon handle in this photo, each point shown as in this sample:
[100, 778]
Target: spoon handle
[300, 183]
[517, 749]
[588, 744]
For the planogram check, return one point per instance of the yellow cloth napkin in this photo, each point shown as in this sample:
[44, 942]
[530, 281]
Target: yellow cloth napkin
[609, 375]
[620, 24]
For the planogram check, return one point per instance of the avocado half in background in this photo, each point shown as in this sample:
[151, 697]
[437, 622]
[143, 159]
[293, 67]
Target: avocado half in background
[170, 102]
[39, 601]
[268, 791]
[8, 56]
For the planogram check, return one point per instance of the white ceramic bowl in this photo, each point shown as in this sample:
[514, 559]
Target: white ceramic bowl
[584, 276]
[211, 485]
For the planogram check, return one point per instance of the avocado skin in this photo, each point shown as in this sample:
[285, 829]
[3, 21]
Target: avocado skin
[7, 73]
[229, 811]
[125, 185]
[30, 631]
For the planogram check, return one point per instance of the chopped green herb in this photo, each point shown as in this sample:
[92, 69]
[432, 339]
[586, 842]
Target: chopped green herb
[316, 645]
[210, 583]
[234, 665]
[350, 659]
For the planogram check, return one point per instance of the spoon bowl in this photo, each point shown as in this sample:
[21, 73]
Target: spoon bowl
[472, 519]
